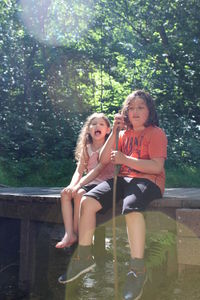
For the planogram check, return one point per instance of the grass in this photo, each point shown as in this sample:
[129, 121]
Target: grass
[37, 173]
[32, 172]
[183, 176]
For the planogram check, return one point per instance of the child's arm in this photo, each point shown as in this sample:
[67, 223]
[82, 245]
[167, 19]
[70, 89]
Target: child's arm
[110, 143]
[150, 166]
[157, 150]
[88, 178]
[77, 174]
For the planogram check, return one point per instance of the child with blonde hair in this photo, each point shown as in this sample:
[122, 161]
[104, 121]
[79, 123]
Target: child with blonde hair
[90, 141]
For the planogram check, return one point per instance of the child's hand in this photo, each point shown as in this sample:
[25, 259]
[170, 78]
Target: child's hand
[68, 190]
[117, 157]
[75, 189]
[118, 122]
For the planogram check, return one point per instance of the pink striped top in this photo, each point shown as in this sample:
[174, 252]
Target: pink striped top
[106, 173]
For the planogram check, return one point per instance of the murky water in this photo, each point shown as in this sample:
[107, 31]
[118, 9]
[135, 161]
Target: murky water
[165, 282]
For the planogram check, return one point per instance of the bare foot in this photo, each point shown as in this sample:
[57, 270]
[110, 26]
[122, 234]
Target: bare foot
[66, 241]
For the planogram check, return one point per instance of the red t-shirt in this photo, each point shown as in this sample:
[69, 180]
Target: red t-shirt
[146, 144]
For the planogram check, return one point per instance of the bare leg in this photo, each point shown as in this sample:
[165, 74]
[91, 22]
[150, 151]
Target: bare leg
[77, 201]
[87, 223]
[67, 213]
[136, 230]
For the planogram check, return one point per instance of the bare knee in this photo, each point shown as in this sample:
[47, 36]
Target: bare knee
[65, 196]
[89, 205]
[79, 195]
[134, 218]
[134, 215]
[85, 202]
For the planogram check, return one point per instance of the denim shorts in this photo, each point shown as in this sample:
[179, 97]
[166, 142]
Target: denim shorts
[135, 193]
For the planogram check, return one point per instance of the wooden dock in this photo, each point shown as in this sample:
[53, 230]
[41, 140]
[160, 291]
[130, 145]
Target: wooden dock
[178, 211]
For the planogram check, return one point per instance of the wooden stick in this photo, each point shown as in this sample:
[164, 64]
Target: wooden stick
[116, 171]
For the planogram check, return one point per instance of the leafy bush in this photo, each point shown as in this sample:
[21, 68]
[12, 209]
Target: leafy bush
[158, 244]
[36, 172]
[182, 176]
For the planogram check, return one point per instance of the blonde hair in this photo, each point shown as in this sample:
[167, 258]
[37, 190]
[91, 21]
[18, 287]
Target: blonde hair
[84, 137]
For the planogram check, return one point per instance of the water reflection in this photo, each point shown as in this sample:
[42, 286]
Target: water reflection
[164, 281]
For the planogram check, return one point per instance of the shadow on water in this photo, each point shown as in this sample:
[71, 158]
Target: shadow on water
[165, 282]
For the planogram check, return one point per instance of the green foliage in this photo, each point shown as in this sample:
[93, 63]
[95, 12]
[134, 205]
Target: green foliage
[37, 172]
[182, 176]
[61, 61]
[157, 247]
[58, 172]
[159, 244]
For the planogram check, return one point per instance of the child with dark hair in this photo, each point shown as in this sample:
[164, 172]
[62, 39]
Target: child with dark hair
[141, 179]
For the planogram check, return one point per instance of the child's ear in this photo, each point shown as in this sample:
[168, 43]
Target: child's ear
[108, 130]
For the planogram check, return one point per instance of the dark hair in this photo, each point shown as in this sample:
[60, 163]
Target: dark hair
[152, 118]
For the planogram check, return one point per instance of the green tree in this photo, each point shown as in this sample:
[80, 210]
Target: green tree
[62, 60]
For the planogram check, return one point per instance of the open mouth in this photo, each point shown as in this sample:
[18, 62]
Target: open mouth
[97, 132]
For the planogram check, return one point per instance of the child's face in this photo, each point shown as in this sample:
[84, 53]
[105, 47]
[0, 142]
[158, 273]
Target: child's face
[98, 129]
[138, 113]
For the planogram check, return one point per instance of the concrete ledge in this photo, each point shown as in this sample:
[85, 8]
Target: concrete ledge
[185, 195]
[43, 204]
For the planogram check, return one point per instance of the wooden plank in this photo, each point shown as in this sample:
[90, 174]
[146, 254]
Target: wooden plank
[37, 211]
[47, 213]
[27, 254]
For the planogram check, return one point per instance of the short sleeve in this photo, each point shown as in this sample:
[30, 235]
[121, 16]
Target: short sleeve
[121, 133]
[158, 144]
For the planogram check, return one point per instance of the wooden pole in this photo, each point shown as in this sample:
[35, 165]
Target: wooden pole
[116, 171]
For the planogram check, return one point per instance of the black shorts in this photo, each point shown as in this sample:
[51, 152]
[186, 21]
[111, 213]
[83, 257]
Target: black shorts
[88, 187]
[135, 193]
